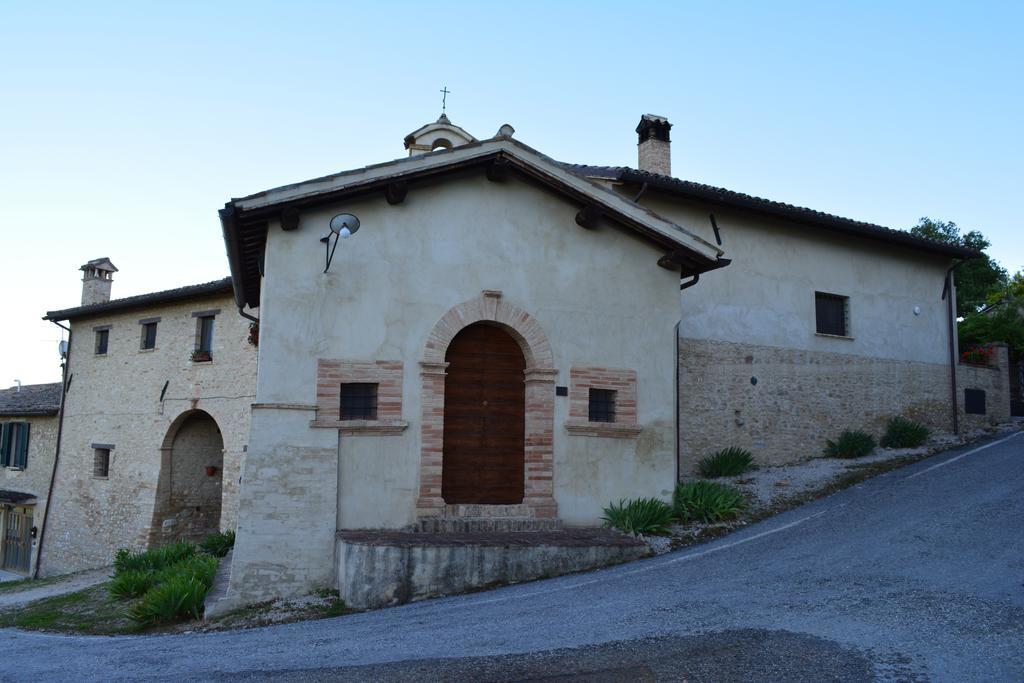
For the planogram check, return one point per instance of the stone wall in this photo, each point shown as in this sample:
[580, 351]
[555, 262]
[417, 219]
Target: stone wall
[35, 478]
[782, 404]
[134, 400]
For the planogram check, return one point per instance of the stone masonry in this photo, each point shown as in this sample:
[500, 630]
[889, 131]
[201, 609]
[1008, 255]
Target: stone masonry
[782, 404]
[134, 401]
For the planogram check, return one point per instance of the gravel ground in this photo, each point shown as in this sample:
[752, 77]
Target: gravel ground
[73, 582]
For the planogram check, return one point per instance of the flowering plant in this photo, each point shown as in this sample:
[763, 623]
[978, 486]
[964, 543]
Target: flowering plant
[978, 355]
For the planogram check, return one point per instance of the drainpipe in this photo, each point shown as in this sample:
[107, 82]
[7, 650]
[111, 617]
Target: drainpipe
[56, 452]
[947, 294]
[675, 384]
[241, 312]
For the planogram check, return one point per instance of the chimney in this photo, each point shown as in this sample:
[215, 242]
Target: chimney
[97, 277]
[653, 145]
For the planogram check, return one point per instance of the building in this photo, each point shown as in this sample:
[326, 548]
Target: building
[28, 429]
[504, 340]
[498, 340]
[155, 421]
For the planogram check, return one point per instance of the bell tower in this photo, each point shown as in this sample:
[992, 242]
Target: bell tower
[440, 135]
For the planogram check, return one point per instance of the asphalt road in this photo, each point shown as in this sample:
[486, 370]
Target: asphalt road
[912, 576]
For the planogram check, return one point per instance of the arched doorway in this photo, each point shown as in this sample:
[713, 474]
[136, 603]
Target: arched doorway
[189, 491]
[484, 418]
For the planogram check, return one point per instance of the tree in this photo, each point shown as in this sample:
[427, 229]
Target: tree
[977, 280]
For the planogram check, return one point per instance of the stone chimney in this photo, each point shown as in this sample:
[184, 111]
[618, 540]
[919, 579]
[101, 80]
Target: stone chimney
[97, 277]
[653, 145]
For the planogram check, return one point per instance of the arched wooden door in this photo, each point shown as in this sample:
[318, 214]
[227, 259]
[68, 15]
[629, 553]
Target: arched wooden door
[484, 418]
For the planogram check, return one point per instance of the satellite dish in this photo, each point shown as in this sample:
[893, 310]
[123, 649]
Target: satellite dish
[62, 348]
[344, 225]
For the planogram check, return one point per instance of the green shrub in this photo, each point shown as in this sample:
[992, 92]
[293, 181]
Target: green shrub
[152, 560]
[904, 433]
[639, 516]
[707, 501]
[851, 444]
[726, 463]
[177, 598]
[178, 591]
[131, 583]
[218, 544]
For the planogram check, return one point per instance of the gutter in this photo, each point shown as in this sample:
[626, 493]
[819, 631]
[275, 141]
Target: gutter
[56, 452]
[229, 226]
[947, 294]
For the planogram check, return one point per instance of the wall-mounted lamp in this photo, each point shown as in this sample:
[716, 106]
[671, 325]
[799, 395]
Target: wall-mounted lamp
[343, 226]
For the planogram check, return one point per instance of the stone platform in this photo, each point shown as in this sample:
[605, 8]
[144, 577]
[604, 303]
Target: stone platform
[380, 568]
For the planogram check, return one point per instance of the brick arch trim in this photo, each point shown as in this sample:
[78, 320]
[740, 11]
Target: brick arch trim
[489, 307]
[539, 377]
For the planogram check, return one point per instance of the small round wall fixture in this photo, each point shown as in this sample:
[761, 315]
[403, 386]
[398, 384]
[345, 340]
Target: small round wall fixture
[917, 310]
[344, 225]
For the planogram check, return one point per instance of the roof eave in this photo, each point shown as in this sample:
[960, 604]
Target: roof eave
[847, 226]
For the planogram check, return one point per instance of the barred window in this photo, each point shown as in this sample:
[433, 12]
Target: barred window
[602, 405]
[358, 401]
[100, 463]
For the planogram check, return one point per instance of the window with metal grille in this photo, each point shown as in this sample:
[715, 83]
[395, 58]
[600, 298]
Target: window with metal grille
[14, 444]
[832, 314]
[359, 401]
[602, 405]
[149, 335]
[102, 338]
[101, 462]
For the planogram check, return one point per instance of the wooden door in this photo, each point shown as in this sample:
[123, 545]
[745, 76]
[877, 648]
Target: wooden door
[484, 418]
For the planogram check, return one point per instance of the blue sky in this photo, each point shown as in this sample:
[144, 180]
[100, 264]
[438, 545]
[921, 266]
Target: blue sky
[124, 127]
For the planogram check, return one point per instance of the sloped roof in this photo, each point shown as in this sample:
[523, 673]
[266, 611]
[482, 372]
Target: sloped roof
[33, 399]
[799, 214]
[244, 220]
[222, 286]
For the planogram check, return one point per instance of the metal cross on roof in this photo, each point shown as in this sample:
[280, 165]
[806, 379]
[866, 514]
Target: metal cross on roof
[444, 97]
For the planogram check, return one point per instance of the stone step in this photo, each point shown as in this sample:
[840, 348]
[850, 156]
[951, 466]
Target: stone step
[483, 525]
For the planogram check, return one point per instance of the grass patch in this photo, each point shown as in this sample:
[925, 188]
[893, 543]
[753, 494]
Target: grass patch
[729, 462]
[850, 444]
[904, 433]
[91, 611]
[707, 501]
[639, 516]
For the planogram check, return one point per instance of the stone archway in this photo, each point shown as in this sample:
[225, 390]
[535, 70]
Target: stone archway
[539, 378]
[189, 489]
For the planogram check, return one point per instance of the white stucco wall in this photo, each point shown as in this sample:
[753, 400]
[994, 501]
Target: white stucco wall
[599, 296]
[766, 296]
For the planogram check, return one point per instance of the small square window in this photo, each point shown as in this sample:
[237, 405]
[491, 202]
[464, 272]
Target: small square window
[602, 405]
[149, 335]
[100, 462]
[102, 338]
[832, 314]
[358, 401]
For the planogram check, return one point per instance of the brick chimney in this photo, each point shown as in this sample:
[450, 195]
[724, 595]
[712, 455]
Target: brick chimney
[97, 277]
[653, 145]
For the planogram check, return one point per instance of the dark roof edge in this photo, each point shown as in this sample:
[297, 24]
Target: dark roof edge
[222, 286]
[767, 207]
[31, 412]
